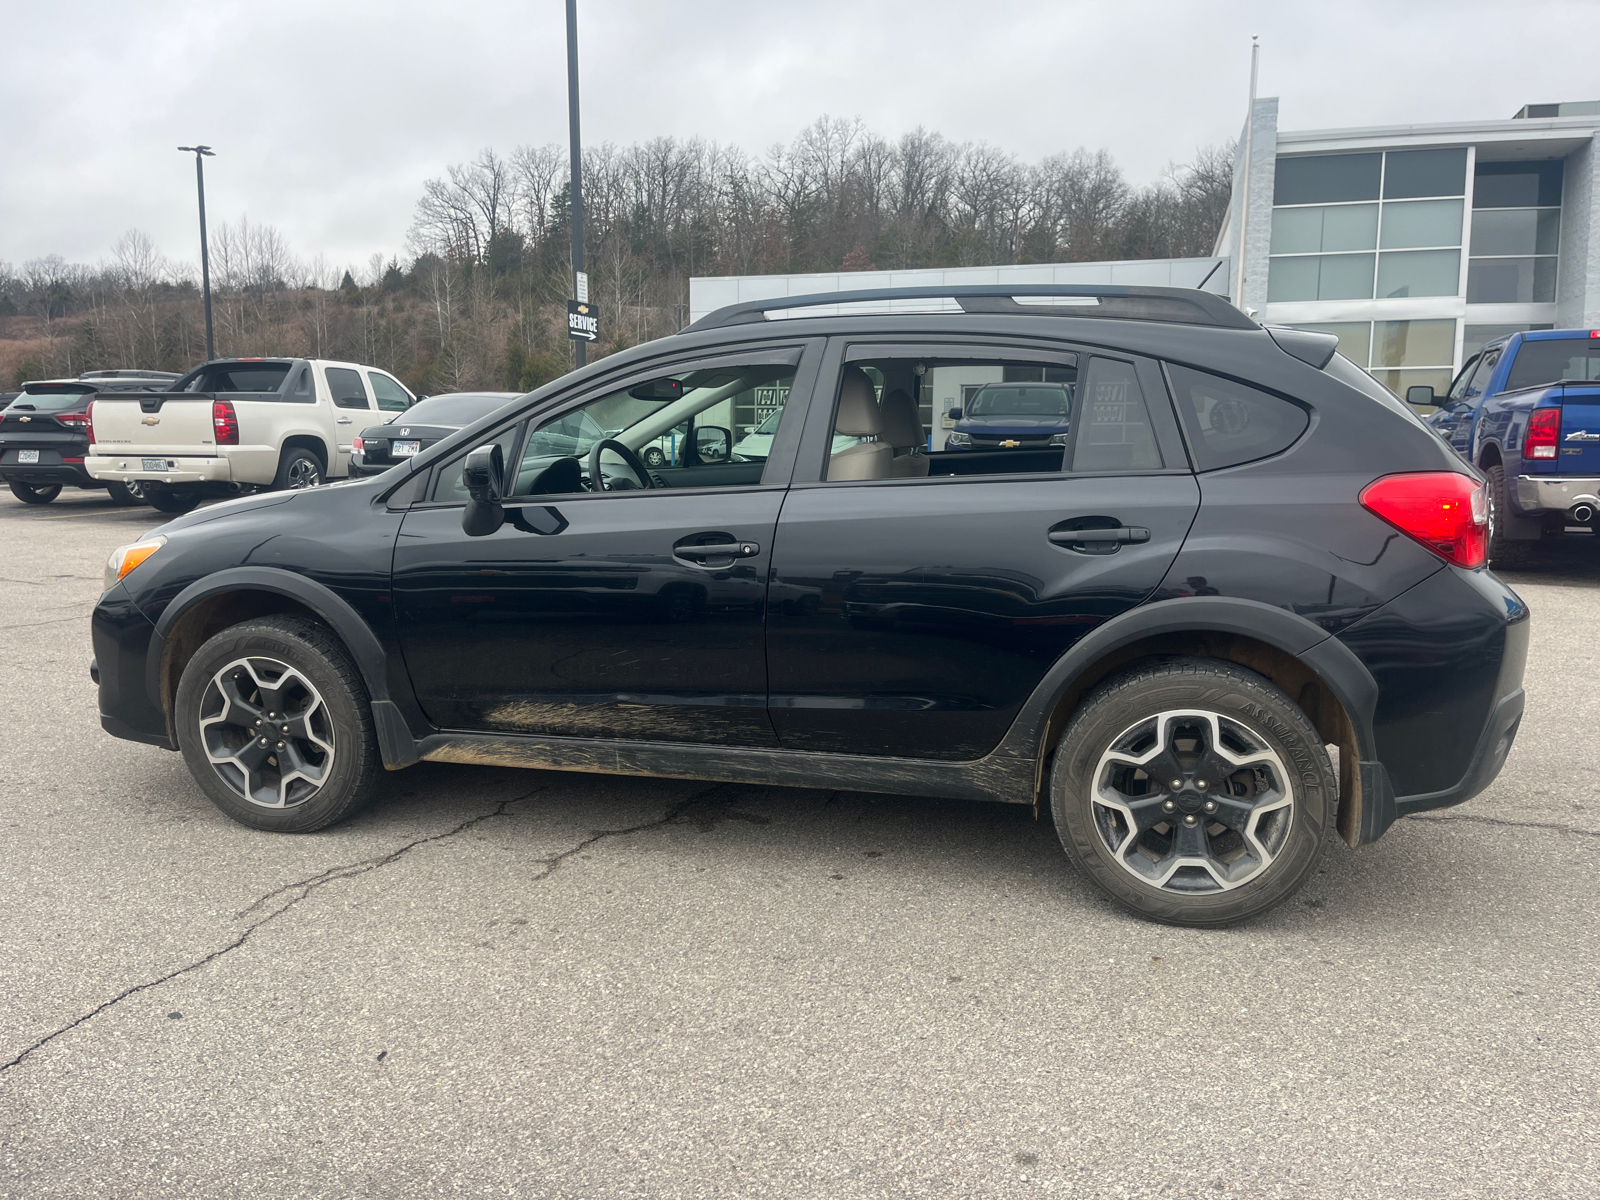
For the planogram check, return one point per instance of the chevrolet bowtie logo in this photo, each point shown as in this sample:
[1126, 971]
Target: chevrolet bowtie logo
[151, 421]
[1011, 443]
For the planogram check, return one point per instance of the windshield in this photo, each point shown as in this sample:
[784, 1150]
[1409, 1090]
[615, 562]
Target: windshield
[52, 397]
[456, 408]
[1573, 359]
[1035, 400]
[238, 377]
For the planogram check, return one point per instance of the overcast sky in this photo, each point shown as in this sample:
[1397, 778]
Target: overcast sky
[327, 115]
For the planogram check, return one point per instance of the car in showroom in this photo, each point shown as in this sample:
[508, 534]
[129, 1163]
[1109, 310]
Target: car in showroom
[403, 436]
[44, 434]
[1244, 606]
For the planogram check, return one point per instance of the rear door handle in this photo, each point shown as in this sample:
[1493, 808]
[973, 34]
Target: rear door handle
[344, 420]
[1100, 541]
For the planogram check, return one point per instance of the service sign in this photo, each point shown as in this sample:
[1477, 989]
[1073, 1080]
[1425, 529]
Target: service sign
[583, 322]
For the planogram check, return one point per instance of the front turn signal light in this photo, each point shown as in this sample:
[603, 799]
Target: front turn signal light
[125, 558]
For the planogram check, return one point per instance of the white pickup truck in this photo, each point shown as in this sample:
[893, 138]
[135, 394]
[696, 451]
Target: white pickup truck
[235, 424]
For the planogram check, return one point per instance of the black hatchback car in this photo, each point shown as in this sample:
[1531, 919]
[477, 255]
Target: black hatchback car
[44, 434]
[1245, 605]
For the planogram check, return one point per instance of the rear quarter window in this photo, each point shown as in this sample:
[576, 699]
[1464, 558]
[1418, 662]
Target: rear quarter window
[239, 377]
[1230, 422]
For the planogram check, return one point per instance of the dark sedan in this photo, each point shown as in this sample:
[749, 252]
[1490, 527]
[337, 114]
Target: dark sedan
[408, 434]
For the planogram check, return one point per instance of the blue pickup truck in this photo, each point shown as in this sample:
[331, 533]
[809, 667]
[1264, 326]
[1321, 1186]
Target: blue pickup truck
[1526, 411]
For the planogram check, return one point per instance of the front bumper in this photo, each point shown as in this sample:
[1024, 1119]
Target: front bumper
[1551, 493]
[130, 467]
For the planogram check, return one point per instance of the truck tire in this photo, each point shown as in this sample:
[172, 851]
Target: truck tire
[1193, 792]
[298, 469]
[162, 500]
[126, 494]
[1499, 511]
[275, 725]
[29, 494]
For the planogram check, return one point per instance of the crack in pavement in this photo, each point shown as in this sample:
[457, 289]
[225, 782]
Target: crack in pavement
[1551, 825]
[306, 886]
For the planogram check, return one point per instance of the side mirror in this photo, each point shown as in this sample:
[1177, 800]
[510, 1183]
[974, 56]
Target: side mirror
[713, 443]
[484, 475]
[954, 414]
[1420, 395]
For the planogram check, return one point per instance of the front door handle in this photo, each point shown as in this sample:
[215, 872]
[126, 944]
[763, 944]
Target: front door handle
[1100, 541]
[719, 550]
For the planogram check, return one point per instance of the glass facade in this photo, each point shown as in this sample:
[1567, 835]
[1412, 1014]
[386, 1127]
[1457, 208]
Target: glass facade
[1365, 226]
[1400, 354]
[1516, 232]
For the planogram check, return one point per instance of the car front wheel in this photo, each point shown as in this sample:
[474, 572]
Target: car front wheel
[1193, 792]
[276, 727]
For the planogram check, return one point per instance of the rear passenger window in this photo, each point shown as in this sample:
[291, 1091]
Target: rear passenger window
[345, 385]
[1229, 423]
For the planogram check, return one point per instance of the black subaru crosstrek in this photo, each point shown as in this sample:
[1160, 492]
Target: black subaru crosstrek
[1245, 605]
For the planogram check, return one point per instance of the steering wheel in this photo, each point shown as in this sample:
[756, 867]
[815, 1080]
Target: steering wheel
[630, 459]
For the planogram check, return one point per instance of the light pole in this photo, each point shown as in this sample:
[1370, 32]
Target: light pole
[581, 348]
[201, 153]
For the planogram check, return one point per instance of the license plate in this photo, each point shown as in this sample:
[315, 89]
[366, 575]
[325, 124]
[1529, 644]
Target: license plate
[155, 464]
[27, 456]
[406, 449]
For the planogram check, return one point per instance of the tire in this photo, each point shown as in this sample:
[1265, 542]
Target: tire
[1499, 509]
[653, 456]
[126, 494]
[1250, 845]
[29, 494]
[160, 499]
[299, 468]
[329, 732]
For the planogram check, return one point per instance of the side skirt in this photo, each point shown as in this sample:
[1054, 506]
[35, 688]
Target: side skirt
[995, 778]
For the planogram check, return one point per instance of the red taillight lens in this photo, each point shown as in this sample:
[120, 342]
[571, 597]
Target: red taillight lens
[1446, 512]
[76, 420]
[226, 422]
[1544, 430]
[357, 445]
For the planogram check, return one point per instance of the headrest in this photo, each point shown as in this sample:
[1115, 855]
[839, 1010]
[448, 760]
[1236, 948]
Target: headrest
[902, 423]
[858, 406]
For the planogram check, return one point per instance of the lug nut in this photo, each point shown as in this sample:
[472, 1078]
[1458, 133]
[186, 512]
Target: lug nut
[280, 745]
[1167, 806]
[263, 741]
[1211, 805]
[1189, 818]
[1201, 784]
[1177, 785]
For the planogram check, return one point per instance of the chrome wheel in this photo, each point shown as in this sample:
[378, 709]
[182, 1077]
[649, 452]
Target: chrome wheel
[302, 473]
[1192, 802]
[267, 732]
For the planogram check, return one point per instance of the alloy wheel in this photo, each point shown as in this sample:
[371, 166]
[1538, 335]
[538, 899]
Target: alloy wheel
[302, 473]
[1192, 802]
[267, 732]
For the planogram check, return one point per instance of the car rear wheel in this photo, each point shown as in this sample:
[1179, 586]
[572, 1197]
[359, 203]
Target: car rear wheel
[29, 494]
[162, 500]
[276, 726]
[1499, 511]
[1193, 792]
[126, 493]
[298, 469]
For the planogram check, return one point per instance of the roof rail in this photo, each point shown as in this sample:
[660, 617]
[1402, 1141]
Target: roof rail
[1183, 306]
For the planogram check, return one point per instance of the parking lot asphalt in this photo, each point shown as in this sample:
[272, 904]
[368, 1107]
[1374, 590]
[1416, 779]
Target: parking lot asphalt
[531, 984]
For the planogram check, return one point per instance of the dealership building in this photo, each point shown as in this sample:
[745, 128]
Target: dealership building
[1415, 244]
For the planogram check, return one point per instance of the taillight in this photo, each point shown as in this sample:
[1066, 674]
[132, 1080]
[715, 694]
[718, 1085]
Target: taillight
[226, 422]
[357, 444]
[1448, 513]
[1544, 430]
[76, 420]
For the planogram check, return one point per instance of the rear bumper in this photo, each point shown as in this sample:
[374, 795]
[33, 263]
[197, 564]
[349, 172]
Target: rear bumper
[362, 469]
[1552, 493]
[124, 468]
[69, 474]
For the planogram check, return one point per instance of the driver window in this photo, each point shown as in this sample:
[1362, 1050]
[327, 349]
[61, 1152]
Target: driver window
[709, 427]
[1464, 380]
